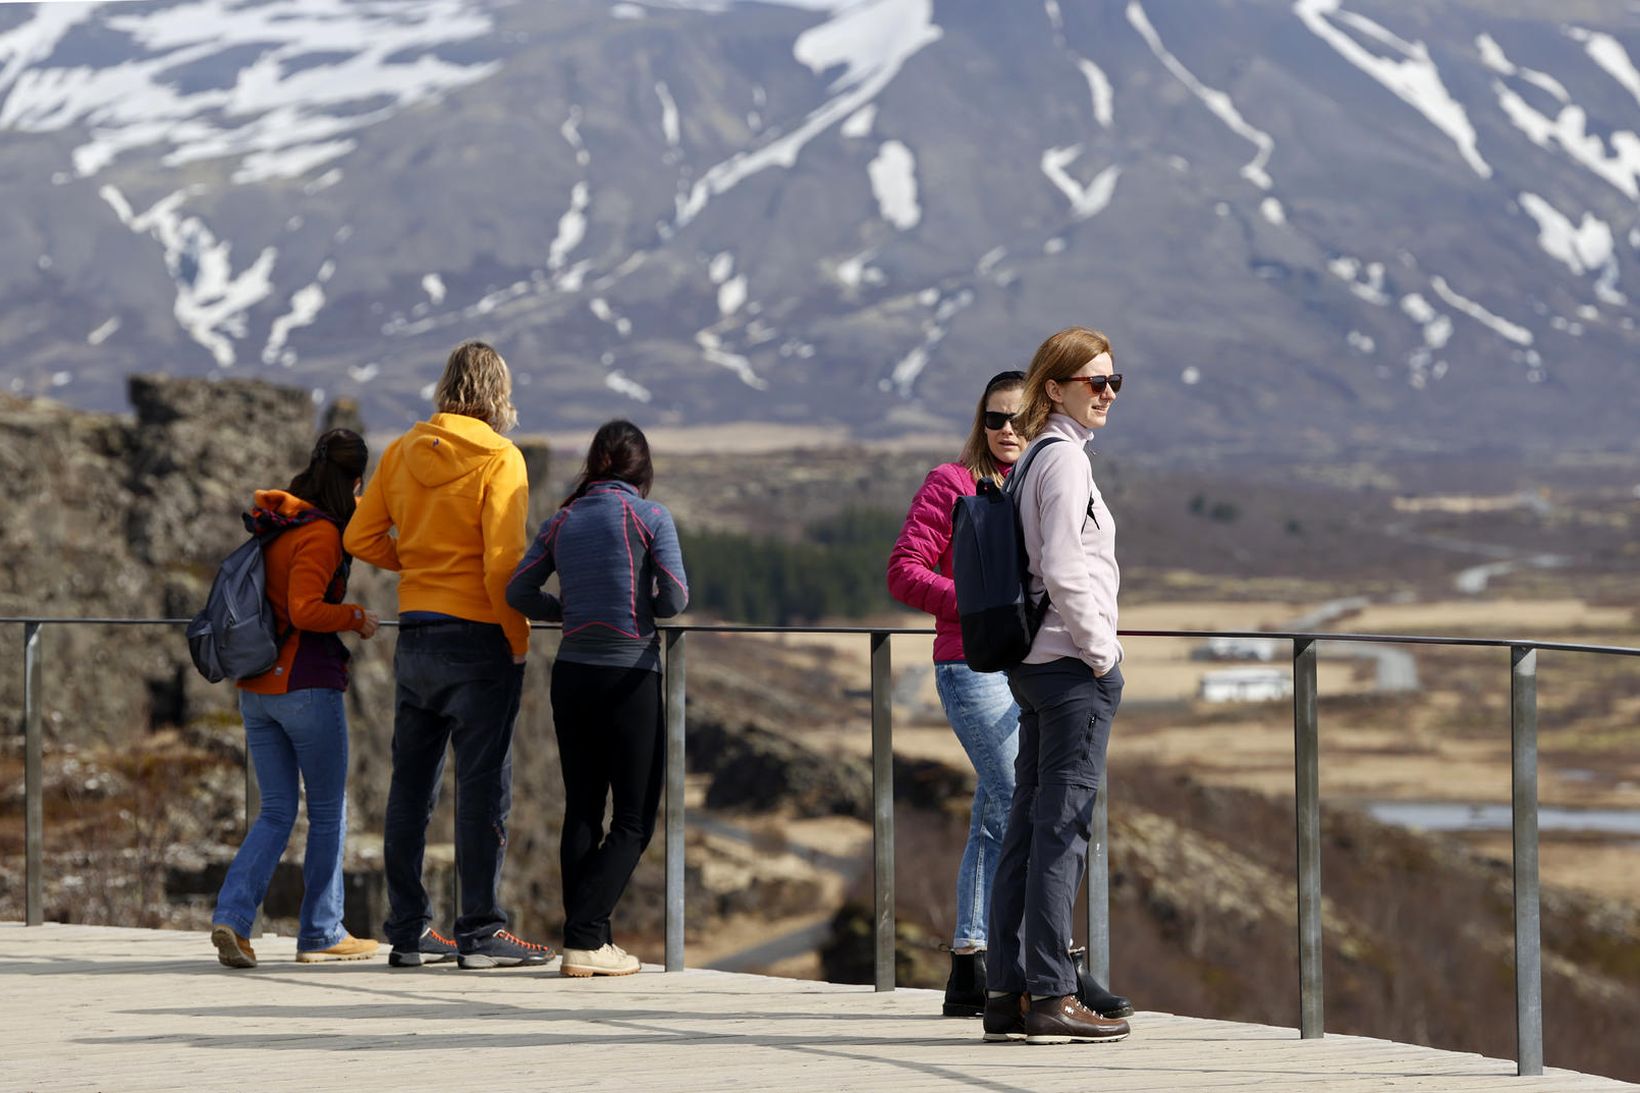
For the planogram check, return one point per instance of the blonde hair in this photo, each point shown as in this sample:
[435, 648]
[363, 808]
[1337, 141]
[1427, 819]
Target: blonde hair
[476, 383]
[1059, 358]
[976, 450]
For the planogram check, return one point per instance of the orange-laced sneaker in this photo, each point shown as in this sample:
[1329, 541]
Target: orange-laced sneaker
[504, 950]
[431, 948]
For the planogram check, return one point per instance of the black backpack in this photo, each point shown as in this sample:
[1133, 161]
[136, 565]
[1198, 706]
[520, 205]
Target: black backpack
[236, 636]
[992, 575]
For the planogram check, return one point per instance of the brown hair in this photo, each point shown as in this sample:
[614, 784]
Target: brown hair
[338, 460]
[476, 383]
[1059, 358]
[976, 451]
[619, 451]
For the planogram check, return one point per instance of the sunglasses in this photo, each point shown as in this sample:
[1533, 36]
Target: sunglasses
[1097, 384]
[995, 420]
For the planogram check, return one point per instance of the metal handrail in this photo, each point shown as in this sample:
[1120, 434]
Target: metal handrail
[1306, 758]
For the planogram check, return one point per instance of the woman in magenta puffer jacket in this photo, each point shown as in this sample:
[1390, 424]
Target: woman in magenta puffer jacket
[979, 705]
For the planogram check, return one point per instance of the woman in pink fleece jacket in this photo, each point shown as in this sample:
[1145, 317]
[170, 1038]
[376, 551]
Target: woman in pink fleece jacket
[1068, 689]
[978, 705]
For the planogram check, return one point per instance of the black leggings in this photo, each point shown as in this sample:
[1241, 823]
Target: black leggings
[610, 744]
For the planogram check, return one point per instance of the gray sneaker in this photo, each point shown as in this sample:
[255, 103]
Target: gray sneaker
[503, 950]
[610, 959]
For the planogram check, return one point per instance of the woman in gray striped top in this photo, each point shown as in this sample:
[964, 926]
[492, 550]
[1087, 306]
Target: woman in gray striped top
[619, 569]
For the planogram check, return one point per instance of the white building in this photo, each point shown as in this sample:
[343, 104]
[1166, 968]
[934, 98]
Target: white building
[1249, 684]
[1242, 648]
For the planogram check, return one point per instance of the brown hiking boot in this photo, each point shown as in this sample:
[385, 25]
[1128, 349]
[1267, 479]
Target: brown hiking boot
[1066, 1020]
[233, 950]
[1004, 1018]
[349, 948]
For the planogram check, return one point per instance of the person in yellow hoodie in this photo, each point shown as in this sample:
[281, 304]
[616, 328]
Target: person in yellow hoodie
[446, 510]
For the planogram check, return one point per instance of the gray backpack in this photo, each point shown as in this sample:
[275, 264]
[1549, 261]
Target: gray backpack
[237, 636]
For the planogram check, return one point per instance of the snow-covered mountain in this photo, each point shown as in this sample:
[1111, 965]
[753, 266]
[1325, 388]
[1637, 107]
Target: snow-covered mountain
[1303, 223]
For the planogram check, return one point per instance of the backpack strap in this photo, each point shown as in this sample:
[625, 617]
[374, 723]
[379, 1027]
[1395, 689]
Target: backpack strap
[267, 534]
[1025, 464]
[1039, 610]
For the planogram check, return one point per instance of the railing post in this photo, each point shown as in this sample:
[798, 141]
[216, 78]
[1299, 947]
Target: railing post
[1307, 806]
[1098, 886]
[1524, 810]
[33, 779]
[675, 697]
[882, 800]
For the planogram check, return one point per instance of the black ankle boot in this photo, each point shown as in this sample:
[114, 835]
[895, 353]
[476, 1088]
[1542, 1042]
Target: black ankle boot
[1092, 994]
[965, 989]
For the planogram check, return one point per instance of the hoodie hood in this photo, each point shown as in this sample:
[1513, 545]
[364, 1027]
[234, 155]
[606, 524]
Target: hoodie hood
[279, 502]
[274, 511]
[446, 447]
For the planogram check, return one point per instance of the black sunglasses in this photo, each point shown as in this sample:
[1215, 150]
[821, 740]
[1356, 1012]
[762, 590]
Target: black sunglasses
[995, 420]
[1097, 384]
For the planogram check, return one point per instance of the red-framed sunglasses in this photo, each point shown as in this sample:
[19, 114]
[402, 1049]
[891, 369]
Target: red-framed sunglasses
[1097, 384]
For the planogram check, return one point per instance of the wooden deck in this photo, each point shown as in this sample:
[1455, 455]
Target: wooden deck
[105, 1008]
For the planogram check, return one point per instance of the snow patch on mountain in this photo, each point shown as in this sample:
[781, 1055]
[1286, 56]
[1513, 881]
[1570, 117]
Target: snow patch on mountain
[1366, 279]
[902, 378]
[1222, 106]
[572, 227]
[36, 39]
[305, 305]
[619, 383]
[893, 175]
[1586, 247]
[605, 313]
[856, 270]
[1569, 129]
[871, 41]
[731, 295]
[103, 332]
[670, 129]
[1609, 54]
[1437, 328]
[284, 114]
[1413, 78]
[1086, 201]
[570, 130]
[1104, 110]
[212, 299]
[1493, 57]
[1513, 332]
[711, 348]
[860, 122]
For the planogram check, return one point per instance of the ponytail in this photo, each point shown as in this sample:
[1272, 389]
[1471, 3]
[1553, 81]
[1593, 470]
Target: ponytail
[338, 461]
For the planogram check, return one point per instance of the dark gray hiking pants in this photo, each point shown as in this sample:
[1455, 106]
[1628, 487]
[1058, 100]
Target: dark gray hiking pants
[1065, 715]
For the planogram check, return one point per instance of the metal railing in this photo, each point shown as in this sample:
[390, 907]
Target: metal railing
[1306, 788]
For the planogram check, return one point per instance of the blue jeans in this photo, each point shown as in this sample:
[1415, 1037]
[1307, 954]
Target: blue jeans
[457, 686]
[985, 718]
[1064, 728]
[295, 739]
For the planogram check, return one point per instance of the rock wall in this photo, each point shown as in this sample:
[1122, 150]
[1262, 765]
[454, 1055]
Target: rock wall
[112, 516]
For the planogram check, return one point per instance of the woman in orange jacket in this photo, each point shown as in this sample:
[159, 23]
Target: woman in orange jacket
[295, 722]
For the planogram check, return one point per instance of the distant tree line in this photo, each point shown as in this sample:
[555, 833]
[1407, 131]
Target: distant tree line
[835, 570]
